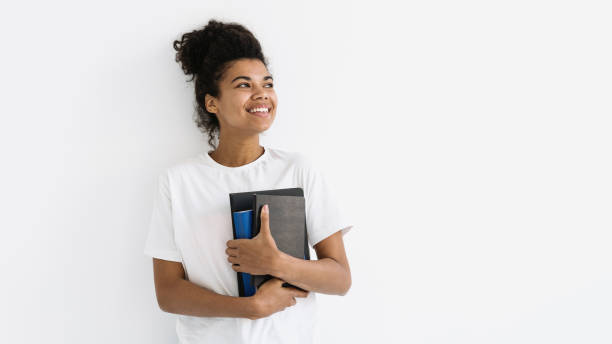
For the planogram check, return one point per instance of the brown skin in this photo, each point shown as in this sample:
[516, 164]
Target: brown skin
[239, 145]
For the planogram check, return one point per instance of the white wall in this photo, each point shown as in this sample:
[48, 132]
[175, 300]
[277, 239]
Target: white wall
[470, 142]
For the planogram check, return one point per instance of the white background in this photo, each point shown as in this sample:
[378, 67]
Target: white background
[470, 142]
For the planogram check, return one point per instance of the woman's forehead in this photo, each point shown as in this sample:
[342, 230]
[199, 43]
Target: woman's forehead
[252, 68]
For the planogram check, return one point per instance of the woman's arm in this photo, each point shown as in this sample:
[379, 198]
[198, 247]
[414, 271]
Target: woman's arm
[177, 295]
[330, 274]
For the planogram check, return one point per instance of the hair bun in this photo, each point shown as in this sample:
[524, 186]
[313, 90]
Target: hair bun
[193, 47]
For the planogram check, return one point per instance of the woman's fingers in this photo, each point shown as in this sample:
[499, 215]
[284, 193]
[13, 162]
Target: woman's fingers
[301, 293]
[297, 293]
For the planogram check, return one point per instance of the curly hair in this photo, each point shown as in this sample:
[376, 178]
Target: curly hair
[205, 54]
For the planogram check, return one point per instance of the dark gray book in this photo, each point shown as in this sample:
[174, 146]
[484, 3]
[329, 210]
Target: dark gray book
[287, 217]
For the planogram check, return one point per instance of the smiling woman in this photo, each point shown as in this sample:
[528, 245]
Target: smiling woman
[231, 78]
[195, 260]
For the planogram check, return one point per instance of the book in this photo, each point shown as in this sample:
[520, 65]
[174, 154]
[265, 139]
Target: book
[287, 221]
[287, 225]
[243, 221]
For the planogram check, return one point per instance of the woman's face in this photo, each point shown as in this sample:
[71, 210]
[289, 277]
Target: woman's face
[247, 101]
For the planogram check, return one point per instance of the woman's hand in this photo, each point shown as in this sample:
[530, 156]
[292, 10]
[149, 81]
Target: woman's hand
[256, 256]
[272, 297]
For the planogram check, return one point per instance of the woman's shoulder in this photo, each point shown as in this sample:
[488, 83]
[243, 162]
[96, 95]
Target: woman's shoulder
[295, 158]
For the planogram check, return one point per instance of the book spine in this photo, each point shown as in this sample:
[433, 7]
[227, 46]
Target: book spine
[243, 226]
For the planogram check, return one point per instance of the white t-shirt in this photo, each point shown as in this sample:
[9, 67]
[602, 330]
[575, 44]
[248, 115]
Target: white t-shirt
[191, 223]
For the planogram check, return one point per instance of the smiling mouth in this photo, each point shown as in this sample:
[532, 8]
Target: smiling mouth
[260, 109]
[260, 112]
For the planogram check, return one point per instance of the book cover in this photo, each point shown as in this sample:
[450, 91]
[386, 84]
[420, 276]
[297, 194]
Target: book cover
[287, 224]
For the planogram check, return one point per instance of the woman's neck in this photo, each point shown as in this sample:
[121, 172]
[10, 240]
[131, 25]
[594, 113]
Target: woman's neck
[237, 153]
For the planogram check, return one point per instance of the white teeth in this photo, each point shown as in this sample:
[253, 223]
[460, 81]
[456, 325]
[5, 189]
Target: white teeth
[263, 109]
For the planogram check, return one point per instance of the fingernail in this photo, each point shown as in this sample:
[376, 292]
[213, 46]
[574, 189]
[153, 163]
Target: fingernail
[266, 208]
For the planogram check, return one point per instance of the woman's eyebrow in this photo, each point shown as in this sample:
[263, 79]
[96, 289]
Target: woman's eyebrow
[267, 77]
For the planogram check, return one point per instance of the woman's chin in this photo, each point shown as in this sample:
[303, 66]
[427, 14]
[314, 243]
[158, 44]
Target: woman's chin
[260, 127]
[265, 128]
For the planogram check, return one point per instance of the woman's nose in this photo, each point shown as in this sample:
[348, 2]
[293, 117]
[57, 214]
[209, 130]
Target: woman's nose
[260, 93]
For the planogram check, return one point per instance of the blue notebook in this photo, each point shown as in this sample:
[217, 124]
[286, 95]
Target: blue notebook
[243, 221]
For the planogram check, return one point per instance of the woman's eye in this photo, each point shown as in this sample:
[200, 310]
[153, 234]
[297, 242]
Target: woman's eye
[244, 83]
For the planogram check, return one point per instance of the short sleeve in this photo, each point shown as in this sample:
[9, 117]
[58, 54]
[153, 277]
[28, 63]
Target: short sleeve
[324, 214]
[160, 240]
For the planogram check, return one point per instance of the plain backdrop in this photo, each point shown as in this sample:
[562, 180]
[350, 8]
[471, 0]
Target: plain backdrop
[470, 143]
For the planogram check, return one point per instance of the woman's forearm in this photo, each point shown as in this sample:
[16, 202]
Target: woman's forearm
[325, 275]
[187, 298]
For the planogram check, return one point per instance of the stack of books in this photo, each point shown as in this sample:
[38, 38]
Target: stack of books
[287, 215]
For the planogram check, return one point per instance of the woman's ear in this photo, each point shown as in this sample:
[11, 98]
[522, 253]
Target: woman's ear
[211, 103]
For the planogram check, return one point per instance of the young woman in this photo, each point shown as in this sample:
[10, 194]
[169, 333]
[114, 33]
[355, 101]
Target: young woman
[195, 259]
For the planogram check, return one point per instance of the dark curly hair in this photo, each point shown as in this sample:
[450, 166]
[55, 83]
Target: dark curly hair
[205, 54]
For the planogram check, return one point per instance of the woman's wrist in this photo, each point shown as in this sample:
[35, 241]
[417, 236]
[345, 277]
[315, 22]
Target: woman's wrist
[281, 265]
[250, 308]
[255, 309]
